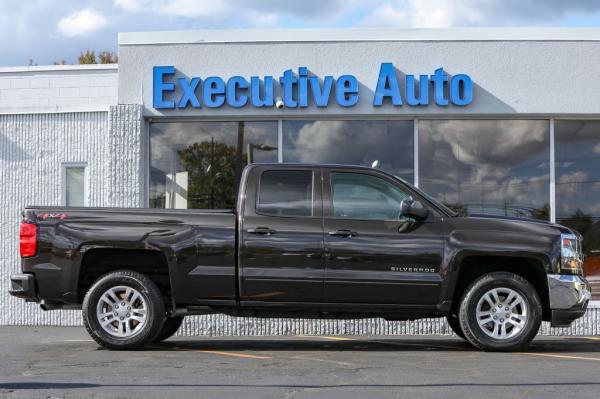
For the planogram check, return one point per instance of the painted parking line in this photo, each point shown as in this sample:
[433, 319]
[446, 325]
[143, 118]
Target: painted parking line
[213, 352]
[593, 338]
[568, 357]
[330, 337]
[233, 354]
[421, 345]
[334, 338]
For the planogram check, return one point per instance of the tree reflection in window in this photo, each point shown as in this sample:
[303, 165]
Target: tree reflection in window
[212, 170]
[199, 164]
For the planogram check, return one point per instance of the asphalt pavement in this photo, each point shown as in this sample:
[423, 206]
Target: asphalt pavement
[56, 362]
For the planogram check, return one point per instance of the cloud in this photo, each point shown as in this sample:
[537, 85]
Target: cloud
[573, 177]
[491, 165]
[178, 8]
[449, 13]
[50, 30]
[394, 13]
[415, 13]
[130, 5]
[81, 23]
[235, 8]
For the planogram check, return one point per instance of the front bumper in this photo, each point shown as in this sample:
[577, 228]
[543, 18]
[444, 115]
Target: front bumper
[23, 286]
[569, 297]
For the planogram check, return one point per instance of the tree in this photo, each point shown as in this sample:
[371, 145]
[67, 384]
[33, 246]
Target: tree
[87, 57]
[107, 57]
[542, 213]
[211, 171]
[579, 221]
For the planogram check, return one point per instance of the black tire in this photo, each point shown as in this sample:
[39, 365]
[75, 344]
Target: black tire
[454, 324]
[155, 313]
[501, 280]
[170, 327]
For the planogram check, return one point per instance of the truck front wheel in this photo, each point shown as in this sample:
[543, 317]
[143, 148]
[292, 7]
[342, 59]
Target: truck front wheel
[123, 310]
[500, 311]
[170, 327]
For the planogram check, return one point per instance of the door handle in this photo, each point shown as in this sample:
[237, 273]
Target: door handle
[343, 233]
[265, 231]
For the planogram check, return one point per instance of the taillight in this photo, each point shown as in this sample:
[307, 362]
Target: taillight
[28, 239]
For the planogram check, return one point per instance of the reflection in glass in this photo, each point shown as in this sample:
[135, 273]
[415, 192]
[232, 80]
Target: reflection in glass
[360, 196]
[387, 145]
[577, 159]
[286, 193]
[199, 164]
[498, 167]
[75, 186]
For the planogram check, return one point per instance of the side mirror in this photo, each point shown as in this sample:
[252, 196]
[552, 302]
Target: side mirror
[413, 209]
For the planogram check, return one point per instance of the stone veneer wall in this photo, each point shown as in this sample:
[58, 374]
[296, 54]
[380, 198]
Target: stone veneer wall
[33, 148]
[221, 325]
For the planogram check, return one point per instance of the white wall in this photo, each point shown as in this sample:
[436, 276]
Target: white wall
[58, 88]
[32, 149]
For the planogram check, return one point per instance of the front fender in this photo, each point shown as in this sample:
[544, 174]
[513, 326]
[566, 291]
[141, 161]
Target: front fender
[540, 249]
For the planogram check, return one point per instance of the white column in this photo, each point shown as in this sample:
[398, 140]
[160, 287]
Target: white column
[280, 141]
[552, 175]
[416, 151]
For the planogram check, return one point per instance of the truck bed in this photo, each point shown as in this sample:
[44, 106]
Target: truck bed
[198, 246]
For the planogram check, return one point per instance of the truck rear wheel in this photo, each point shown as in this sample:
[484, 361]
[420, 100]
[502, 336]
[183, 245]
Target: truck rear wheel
[500, 311]
[170, 327]
[454, 324]
[123, 310]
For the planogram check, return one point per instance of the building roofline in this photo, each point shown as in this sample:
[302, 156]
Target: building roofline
[58, 68]
[358, 35]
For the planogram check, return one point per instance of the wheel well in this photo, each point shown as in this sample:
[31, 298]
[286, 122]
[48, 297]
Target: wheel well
[97, 262]
[530, 269]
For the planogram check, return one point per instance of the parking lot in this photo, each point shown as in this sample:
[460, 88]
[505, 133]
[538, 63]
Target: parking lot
[52, 362]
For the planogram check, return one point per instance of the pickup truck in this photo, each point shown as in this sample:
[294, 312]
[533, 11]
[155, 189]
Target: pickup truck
[311, 241]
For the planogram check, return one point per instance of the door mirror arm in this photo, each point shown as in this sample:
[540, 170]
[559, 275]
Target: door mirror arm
[413, 209]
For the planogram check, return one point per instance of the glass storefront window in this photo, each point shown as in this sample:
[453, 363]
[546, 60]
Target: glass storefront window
[387, 145]
[577, 160]
[499, 167]
[198, 164]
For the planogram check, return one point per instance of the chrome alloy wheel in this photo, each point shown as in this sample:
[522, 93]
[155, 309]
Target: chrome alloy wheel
[122, 311]
[502, 313]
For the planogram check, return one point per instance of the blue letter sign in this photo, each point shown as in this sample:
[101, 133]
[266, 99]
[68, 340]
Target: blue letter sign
[301, 89]
[160, 86]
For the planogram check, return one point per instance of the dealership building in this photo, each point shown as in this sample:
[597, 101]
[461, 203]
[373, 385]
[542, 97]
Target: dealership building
[494, 121]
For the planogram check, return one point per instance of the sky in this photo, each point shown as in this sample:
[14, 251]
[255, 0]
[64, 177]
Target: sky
[47, 31]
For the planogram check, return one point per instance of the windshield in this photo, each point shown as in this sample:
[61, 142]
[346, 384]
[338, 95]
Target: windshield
[429, 198]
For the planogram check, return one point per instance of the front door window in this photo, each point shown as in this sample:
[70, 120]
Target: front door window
[367, 197]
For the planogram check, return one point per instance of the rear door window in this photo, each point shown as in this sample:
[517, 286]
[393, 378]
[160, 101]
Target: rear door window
[285, 193]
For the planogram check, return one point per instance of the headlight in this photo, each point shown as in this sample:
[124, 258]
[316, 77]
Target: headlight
[571, 258]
